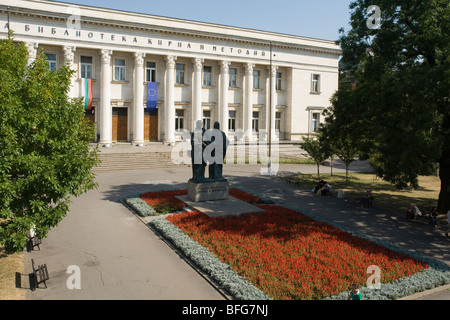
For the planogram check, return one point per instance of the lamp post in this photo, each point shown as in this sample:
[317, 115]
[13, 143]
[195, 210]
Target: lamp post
[269, 163]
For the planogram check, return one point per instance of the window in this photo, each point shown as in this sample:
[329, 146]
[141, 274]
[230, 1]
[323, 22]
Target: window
[207, 76]
[314, 118]
[279, 81]
[255, 121]
[119, 69]
[256, 79]
[86, 67]
[233, 77]
[315, 84]
[315, 121]
[179, 120]
[150, 72]
[232, 121]
[278, 121]
[51, 60]
[207, 119]
[179, 73]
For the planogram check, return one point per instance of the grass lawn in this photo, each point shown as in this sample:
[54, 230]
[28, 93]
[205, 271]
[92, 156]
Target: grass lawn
[279, 160]
[386, 195]
[9, 265]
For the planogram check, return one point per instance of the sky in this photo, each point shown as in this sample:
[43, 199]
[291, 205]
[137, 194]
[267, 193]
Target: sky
[320, 19]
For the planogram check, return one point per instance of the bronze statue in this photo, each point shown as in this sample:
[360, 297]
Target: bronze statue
[216, 168]
[198, 146]
[201, 140]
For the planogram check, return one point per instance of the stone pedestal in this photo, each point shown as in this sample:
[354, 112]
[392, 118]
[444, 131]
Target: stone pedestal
[208, 190]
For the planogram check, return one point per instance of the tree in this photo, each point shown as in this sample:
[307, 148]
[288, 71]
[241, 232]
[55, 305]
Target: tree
[328, 147]
[346, 149]
[45, 157]
[339, 138]
[398, 104]
[315, 150]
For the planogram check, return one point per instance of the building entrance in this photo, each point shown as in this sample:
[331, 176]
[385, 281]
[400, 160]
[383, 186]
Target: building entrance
[151, 126]
[119, 124]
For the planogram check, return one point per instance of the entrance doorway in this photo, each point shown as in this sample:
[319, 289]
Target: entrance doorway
[119, 124]
[151, 125]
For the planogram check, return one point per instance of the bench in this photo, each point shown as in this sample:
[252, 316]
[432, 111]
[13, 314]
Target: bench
[39, 275]
[33, 241]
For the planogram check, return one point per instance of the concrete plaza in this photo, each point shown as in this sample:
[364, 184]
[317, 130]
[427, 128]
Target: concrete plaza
[119, 257]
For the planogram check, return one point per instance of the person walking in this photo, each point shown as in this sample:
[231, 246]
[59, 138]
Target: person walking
[354, 294]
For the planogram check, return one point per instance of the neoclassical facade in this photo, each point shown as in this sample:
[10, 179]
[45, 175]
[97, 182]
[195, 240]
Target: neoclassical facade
[150, 77]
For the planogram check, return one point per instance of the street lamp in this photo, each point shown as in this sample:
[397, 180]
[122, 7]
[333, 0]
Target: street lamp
[269, 163]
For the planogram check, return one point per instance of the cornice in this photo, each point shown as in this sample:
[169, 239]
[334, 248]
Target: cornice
[252, 37]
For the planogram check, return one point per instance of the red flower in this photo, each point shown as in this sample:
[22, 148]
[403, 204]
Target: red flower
[289, 255]
[164, 201]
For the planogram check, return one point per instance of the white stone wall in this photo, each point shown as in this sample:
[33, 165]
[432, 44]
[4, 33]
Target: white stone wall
[46, 25]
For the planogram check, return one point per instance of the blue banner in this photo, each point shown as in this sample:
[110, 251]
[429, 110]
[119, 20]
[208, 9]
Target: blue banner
[152, 98]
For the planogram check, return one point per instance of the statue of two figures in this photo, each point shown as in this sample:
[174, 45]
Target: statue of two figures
[208, 148]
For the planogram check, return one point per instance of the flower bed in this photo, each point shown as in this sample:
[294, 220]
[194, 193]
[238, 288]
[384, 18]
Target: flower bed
[164, 202]
[138, 205]
[289, 255]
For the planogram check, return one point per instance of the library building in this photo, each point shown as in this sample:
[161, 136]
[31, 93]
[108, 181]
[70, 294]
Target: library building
[150, 78]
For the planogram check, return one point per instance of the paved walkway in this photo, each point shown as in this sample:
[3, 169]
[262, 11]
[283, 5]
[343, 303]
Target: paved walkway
[121, 258]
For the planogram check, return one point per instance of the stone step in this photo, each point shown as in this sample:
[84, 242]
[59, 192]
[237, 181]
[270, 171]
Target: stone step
[127, 159]
[134, 161]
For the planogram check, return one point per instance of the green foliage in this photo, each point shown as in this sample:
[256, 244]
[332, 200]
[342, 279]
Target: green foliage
[396, 96]
[316, 150]
[346, 150]
[340, 140]
[45, 155]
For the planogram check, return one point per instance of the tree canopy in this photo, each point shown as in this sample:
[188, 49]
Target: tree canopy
[45, 157]
[317, 150]
[395, 89]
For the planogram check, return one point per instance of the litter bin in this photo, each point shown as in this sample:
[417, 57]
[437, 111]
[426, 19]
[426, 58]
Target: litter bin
[341, 194]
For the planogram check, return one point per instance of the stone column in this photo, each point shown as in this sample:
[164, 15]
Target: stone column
[272, 101]
[169, 113]
[69, 54]
[197, 91]
[223, 99]
[138, 98]
[248, 99]
[32, 51]
[105, 99]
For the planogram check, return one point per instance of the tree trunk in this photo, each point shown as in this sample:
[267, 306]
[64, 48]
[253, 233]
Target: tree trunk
[318, 173]
[331, 165]
[444, 175]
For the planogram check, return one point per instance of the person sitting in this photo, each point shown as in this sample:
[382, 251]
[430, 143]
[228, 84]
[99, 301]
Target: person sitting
[413, 212]
[325, 190]
[319, 186]
[433, 217]
[322, 189]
